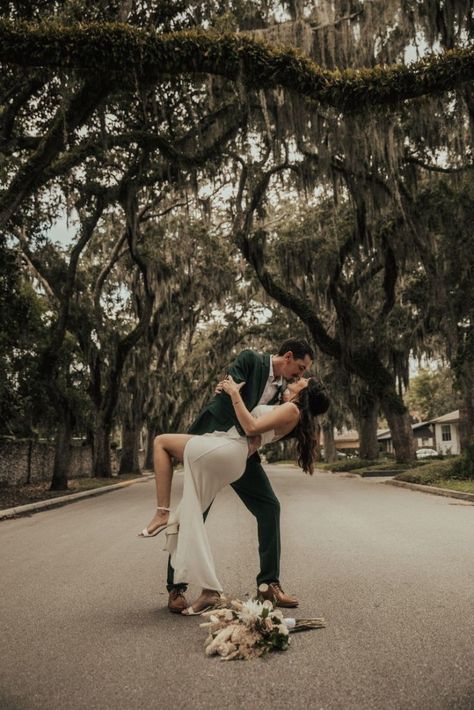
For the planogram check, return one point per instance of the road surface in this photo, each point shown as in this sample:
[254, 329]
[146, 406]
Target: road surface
[84, 622]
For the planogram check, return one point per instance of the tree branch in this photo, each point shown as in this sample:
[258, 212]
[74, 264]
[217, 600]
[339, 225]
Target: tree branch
[125, 49]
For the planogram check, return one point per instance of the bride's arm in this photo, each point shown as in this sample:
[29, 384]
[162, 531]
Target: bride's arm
[284, 416]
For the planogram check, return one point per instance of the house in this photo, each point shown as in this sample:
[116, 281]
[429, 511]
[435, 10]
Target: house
[441, 433]
[446, 433]
[347, 441]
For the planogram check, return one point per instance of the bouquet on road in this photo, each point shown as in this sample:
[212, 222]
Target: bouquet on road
[245, 630]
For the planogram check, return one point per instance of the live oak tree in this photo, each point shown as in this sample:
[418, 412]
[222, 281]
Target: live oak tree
[309, 264]
[431, 393]
[179, 356]
[444, 292]
[77, 154]
[358, 127]
[24, 403]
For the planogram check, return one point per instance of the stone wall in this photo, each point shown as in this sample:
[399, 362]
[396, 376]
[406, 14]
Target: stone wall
[25, 461]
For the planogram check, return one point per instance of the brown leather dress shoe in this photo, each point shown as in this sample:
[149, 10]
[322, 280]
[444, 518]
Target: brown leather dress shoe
[274, 593]
[176, 600]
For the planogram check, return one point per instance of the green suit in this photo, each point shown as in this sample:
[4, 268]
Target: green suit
[253, 487]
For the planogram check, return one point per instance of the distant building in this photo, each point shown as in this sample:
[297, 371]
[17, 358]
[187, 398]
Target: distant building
[441, 434]
[446, 433]
[347, 441]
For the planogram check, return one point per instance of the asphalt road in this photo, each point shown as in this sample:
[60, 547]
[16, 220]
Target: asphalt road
[84, 624]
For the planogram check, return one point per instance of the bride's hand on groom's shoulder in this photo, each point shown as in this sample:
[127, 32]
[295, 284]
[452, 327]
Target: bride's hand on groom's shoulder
[220, 387]
[229, 386]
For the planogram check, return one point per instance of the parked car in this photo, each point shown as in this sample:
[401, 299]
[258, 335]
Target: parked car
[340, 454]
[426, 453]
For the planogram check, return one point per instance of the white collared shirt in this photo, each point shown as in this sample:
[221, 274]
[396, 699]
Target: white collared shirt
[272, 385]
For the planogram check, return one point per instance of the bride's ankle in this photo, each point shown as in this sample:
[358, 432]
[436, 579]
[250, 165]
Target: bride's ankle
[207, 593]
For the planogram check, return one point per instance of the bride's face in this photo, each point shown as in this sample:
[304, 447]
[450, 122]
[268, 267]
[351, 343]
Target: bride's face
[294, 388]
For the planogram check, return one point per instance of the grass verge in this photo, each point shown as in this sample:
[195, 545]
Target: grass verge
[454, 485]
[438, 473]
[425, 472]
[367, 467]
[12, 496]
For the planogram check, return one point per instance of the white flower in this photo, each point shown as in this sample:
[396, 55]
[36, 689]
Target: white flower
[267, 604]
[282, 629]
[277, 614]
[251, 611]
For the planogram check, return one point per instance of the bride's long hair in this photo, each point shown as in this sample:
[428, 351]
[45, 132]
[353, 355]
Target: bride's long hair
[311, 401]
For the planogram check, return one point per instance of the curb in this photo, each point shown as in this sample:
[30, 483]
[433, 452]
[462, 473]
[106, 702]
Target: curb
[447, 492]
[64, 500]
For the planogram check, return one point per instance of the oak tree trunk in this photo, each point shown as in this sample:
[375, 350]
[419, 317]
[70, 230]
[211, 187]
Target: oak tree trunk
[101, 460]
[329, 444]
[367, 427]
[466, 409]
[400, 428]
[62, 453]
[129, 460]
[151, 433]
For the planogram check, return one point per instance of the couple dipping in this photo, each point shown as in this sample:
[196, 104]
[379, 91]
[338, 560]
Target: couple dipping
[263, 399]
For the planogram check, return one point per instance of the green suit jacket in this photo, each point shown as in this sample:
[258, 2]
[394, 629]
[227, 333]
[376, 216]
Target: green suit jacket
[250, 367]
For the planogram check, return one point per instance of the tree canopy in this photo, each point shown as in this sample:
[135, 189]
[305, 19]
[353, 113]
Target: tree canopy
[328, 145]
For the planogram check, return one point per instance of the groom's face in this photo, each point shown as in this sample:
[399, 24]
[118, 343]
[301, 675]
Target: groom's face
[293, 367]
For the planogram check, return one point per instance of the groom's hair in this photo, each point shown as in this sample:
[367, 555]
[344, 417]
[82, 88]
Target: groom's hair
[299, 348]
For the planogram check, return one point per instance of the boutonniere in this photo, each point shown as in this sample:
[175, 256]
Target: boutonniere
[280, 390]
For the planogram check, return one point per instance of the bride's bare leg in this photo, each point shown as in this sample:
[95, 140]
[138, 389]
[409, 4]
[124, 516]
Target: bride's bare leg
[165, 448]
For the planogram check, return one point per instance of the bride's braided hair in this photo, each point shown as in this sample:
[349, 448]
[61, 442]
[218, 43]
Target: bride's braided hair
[311, 401]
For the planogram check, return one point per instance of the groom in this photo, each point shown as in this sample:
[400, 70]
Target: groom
[265, 379]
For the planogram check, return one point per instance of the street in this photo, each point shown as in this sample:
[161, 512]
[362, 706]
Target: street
[84, 622]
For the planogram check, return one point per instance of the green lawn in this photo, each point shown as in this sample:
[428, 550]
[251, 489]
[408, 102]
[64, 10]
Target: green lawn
[438, 473]
[427, 472]
[456, 485]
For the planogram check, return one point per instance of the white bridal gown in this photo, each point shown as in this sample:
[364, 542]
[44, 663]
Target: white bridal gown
[211, 461]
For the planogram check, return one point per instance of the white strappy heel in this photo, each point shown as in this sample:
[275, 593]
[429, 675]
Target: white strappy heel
[160, 528]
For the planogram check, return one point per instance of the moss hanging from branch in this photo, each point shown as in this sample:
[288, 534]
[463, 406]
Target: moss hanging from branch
[113, 47]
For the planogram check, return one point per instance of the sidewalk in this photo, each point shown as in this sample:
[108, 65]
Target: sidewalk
[462, 495]
[446, 492]
[64, 500]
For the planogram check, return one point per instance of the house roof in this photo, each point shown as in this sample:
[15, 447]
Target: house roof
[351, 435]
[419, 425]
[450, 417]
[446, 418]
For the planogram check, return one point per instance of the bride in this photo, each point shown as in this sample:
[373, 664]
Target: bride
[212, 461]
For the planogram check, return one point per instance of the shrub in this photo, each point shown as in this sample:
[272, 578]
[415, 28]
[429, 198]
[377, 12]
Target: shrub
[429, 473]
[347, 465]
[463, 467]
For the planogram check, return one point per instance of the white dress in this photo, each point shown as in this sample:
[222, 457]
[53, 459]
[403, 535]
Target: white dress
[211, 461]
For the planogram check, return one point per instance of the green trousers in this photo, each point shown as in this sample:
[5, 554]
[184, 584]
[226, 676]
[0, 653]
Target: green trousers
[256, 493]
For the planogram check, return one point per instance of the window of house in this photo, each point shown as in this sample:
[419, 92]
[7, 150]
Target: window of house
[446, 432]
